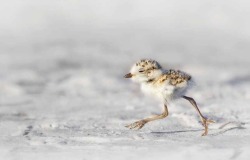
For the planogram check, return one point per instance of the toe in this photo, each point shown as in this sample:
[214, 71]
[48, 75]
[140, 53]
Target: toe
[210, 121]
[136, 125]
[204, 134]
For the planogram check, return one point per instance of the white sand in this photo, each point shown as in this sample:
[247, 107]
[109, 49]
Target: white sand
[63, 95]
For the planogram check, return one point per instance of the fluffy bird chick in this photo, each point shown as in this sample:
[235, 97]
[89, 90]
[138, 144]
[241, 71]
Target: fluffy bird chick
[165, 85]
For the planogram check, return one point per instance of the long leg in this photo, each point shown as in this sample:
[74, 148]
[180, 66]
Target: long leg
[141, 123]
[205, 121]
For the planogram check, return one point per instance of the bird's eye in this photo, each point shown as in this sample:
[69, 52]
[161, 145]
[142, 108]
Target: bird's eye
[141, 71]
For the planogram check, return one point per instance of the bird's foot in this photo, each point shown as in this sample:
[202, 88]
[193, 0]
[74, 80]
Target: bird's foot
[137, 124]
[205, 123]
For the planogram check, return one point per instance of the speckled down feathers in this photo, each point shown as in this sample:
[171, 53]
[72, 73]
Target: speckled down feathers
[148, 64]
[175, 77]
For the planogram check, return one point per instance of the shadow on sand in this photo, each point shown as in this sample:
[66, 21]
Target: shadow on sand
[174, 132]
[213, 132]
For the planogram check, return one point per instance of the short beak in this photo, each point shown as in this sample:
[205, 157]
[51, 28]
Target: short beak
[129, 75]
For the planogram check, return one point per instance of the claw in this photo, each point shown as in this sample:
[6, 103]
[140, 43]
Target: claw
[205, 123]
[138, 125]
[204, 134]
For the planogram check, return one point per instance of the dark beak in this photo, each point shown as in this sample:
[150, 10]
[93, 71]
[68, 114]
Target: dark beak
[129, 75]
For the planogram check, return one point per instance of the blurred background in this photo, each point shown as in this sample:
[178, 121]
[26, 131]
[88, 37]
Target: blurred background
[196, 31]
[83, 48]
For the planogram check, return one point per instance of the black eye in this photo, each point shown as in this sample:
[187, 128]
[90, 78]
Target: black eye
[141, 71]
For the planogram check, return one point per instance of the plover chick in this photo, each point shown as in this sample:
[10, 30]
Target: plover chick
[166, 85]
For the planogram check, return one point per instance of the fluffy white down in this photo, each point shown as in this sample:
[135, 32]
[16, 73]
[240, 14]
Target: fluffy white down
[166, 92]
